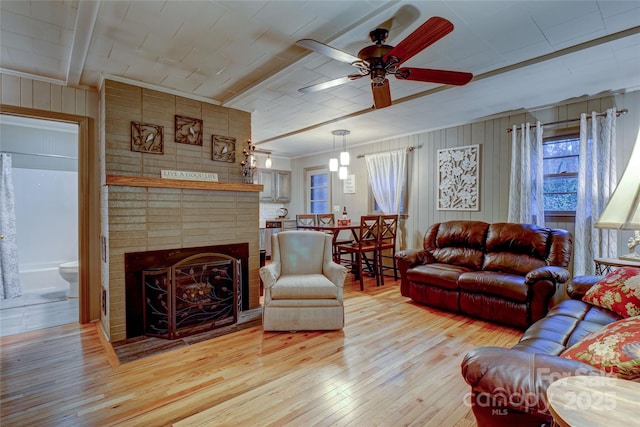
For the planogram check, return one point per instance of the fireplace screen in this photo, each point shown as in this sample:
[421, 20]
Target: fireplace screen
[196, 294]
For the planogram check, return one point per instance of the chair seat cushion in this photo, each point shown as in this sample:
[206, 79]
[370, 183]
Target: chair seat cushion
[304, 286]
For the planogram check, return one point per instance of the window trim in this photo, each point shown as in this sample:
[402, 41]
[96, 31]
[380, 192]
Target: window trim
[316, 170]
[554, 135]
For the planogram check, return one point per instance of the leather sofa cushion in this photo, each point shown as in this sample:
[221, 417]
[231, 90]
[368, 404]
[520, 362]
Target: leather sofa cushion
[516, 248]
[503, 285]
[565, 324]
[459, 243]
[440, 275]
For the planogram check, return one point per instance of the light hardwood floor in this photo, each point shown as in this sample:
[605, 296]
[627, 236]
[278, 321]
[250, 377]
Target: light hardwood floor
[395, 363]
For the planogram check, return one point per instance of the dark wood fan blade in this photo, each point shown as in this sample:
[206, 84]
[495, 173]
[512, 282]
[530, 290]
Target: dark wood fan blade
[327, 51]
[457, 78]
[425, 35]
[330, 83]
[381, 95]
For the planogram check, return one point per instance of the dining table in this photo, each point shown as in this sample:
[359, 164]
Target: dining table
[335, 230]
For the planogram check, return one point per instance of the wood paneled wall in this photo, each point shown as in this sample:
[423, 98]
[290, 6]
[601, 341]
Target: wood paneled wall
[495, 144]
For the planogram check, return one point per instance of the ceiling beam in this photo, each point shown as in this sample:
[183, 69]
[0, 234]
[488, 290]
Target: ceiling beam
[85, 22]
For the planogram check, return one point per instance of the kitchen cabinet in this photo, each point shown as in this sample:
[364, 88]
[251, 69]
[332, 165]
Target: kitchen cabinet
[277, 185]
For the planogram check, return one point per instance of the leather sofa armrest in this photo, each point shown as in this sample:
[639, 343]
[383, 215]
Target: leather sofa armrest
[579, 285]
[406, 259]
[551, 273]
[410, 257]
[517, 379]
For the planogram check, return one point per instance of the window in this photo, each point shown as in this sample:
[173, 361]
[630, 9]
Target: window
[560, 166]
[318, 190]
[376, 209]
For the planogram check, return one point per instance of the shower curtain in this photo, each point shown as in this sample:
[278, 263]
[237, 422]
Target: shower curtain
[9, 279]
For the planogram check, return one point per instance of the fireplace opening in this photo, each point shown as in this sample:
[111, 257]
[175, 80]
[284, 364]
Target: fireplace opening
[198, 293]
[178, 292]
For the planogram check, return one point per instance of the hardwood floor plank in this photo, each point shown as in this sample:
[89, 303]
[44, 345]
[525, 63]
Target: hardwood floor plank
[394, 363]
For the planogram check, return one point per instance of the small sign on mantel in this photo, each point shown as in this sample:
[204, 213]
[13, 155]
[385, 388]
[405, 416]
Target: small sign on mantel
[189, 176]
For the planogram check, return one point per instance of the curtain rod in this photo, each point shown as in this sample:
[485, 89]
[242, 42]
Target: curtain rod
[58, 156]
[623, 111]
[409, 149]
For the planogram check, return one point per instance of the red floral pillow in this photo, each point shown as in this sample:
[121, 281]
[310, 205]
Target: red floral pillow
[618, 291]
[614, 349]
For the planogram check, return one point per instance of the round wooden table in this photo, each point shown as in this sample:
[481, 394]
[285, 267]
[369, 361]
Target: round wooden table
[586, 401]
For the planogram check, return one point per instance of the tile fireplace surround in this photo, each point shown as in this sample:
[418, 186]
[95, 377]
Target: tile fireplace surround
[154, 218]
[143, 212]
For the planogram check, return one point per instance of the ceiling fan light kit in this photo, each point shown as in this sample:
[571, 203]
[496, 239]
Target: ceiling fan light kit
[380, 60]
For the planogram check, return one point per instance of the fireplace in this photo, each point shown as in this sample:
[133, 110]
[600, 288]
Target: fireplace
[178, 292]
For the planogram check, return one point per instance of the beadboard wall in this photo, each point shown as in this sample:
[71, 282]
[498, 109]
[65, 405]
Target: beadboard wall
[139, 219]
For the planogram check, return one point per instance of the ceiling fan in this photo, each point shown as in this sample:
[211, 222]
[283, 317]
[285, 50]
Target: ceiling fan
[380, 60]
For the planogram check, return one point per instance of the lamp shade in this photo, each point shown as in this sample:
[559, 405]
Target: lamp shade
[623, 209]
[344, 158]
[343, 172]
[267, 162]
[333, 165]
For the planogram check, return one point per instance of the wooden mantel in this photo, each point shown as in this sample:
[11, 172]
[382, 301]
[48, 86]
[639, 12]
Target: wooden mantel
[145, 181]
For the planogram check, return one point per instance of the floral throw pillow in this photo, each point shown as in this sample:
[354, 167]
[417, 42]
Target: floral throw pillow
[614, 349]
[618, 291]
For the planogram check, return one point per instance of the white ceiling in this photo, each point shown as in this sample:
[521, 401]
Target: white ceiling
[242, 54]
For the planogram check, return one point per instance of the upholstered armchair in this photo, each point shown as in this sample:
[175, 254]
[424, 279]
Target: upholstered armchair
[303, 286]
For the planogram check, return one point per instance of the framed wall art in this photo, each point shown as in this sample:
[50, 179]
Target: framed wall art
[147, 138]
[223, 149]
[458, 178]
[188, 130]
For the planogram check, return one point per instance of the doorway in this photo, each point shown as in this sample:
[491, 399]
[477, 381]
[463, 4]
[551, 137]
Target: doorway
[44, 159]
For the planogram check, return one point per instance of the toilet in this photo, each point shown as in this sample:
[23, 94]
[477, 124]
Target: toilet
[69, 272]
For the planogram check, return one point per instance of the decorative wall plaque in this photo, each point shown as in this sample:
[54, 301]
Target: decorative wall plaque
[458, 175]
[223, 149]
[147, 138]
[188, 130]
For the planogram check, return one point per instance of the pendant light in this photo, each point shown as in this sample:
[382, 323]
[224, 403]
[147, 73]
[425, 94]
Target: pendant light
[267, 163]
[344, 154]
[333, 162]
[343, 172]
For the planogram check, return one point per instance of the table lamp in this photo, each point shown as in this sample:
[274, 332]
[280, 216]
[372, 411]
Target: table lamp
[623, 209]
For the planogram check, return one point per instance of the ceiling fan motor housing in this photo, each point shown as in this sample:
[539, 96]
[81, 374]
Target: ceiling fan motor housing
[373, 56]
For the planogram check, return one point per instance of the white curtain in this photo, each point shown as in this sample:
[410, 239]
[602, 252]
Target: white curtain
[596, 181]
[526, 199]
[9, 279]
[387, 176]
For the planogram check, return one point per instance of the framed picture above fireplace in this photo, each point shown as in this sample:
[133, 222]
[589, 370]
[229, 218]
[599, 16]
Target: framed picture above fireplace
[147, 138]
[223, 148]
[188, 130]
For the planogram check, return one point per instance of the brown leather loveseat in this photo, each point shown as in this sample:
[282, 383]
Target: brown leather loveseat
[508, 386]
[503, 272]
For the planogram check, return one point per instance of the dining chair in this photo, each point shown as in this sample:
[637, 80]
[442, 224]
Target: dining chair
[330, 219]
[325, 219]
[387, 245]
[303, 220]
[365, 250]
